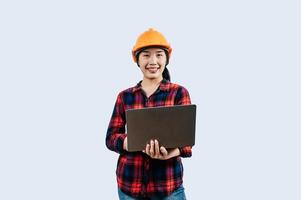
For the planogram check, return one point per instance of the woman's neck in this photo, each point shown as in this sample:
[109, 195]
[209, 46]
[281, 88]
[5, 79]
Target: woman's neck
[151, 82]
[150, 85]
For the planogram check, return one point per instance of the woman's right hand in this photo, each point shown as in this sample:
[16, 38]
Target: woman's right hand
[125, 143]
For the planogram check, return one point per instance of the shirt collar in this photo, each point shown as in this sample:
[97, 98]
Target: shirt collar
[164, 86]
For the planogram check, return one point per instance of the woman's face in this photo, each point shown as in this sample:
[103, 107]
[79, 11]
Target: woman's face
[152, 62]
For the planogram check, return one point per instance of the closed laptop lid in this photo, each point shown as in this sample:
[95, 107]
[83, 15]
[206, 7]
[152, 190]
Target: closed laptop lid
[172, 126]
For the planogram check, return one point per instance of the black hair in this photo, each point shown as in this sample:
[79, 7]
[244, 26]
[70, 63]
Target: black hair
[165, 74]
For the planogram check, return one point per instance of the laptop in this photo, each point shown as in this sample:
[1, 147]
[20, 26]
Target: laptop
[172, 126]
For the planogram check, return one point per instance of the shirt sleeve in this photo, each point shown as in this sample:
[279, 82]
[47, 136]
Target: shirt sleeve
[116, 129]
[183, 98]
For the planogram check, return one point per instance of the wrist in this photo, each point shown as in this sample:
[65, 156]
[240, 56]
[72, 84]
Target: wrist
[174, 153]
[125, 144]
[177, 152]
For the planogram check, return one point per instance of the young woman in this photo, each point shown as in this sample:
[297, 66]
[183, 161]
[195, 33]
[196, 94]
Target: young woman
[155, 172]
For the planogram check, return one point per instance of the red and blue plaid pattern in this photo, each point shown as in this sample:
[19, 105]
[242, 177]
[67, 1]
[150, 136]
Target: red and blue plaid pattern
[137, 174]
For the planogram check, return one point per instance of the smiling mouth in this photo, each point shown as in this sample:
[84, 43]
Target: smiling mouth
[153, 69]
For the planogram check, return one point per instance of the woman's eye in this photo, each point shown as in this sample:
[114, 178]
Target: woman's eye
[159, 55]
[146, 55]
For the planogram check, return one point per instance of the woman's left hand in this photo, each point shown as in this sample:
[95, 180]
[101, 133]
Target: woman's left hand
[156, 152]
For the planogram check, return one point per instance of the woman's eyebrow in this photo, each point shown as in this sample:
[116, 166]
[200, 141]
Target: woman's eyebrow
[147, 51]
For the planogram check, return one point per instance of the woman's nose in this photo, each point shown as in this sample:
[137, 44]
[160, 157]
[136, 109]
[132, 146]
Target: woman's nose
[153, 60]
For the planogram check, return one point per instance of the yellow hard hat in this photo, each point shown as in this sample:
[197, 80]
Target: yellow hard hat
[150, 38]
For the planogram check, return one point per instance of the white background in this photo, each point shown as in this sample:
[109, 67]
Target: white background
[62, 64]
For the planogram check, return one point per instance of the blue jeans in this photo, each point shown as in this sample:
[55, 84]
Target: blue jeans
[178, 194]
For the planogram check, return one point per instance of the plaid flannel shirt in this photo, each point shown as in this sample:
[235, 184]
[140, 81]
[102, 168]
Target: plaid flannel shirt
[138, 175]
